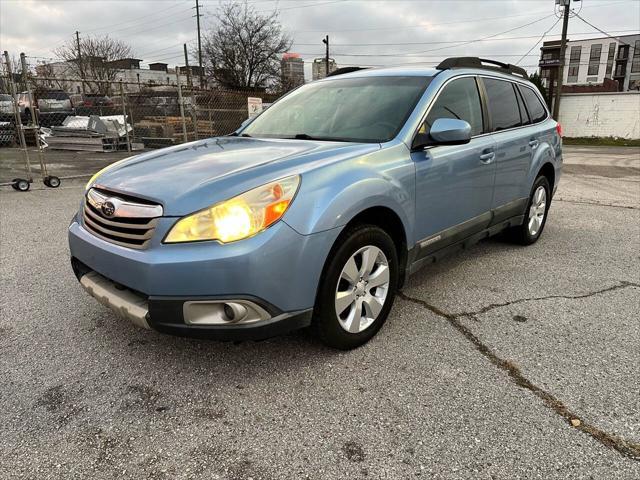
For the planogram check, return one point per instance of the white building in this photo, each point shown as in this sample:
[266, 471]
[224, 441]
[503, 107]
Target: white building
[591, 61]
[134, 78]
[319, 68]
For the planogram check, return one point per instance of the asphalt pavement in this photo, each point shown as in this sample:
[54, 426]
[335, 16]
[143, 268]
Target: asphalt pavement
[501, 362]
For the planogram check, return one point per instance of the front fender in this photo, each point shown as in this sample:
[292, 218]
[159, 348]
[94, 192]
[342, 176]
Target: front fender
[332, 197]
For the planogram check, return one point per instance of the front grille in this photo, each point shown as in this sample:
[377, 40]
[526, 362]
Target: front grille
[131, 225]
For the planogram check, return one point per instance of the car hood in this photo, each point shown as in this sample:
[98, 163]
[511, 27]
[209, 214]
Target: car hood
[191, 176]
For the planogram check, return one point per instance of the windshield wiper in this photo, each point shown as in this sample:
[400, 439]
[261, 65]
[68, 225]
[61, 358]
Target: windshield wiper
[304, 136]
[236, 134]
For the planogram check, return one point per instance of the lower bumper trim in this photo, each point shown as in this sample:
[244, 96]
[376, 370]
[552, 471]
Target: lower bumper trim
[274, 327]
[123, 302]
[166, 314]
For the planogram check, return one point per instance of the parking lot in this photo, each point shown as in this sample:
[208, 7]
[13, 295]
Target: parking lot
[501, 362]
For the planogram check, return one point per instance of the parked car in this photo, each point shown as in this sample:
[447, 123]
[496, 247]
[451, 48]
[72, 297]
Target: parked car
[93, 104]
[90, 100]
[316, 211]
[50, 106]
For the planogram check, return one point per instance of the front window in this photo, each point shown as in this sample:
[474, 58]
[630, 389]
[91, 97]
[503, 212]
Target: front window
[635, 62]
[574, 64]
[366, 109]
[460, 100]
[594, 59]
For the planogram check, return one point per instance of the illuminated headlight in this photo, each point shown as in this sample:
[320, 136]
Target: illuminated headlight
[239, 217]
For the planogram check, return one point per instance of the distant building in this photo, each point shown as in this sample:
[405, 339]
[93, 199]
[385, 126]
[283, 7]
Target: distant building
[292, 70]
[65, 74]
[125, 64]
[319, 68]
[602, 64]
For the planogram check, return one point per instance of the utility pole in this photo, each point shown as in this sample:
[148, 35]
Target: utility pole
[23, 63]
[325, 40]
[563, 46]
[199, 42]
[186, 64]
[80, 60]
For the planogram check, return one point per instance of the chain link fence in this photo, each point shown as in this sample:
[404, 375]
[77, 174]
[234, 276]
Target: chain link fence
[156, 116]
[42, 115]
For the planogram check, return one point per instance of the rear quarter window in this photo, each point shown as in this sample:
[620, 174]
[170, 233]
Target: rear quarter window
[503, 104]
[537, 112]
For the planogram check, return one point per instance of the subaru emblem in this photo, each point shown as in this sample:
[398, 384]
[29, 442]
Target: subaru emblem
[108, 209]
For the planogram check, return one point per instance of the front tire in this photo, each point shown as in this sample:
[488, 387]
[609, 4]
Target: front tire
[357, 288]
[535, 216]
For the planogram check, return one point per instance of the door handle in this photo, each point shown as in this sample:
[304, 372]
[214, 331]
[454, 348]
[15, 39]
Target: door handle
[534, 143]
[487, 157]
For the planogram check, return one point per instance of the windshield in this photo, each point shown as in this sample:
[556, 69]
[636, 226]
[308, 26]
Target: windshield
[366, 109]
[5, 98]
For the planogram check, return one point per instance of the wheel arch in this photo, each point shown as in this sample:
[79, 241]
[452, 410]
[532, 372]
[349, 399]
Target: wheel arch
[389, 221]
[548, 170]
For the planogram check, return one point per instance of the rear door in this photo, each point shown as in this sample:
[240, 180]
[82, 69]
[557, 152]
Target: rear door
[454, 183]
[508, 120]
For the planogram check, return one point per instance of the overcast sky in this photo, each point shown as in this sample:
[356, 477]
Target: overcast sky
[362, 32]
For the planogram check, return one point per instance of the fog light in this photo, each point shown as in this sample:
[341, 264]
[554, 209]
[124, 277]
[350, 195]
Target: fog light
[216, 312]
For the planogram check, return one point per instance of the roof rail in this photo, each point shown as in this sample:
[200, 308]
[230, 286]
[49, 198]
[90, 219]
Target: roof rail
[340, 71]
[475, 62]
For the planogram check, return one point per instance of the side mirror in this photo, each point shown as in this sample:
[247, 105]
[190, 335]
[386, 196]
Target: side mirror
[444, 131]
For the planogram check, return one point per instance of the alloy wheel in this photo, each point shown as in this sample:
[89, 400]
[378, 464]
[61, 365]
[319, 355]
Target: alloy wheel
[537, 210]
[362, 289]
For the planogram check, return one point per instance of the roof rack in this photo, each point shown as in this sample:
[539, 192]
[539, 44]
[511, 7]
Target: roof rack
[475, 62]
[343, 70]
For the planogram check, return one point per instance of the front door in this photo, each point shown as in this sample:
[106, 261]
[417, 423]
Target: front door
[454, 183]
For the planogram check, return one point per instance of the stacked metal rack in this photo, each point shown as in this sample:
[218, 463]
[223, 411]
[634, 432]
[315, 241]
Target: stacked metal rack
[23, 184]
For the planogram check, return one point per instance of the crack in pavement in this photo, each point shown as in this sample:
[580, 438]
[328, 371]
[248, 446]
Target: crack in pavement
[596, 204]
[624, 447]
[492, 306]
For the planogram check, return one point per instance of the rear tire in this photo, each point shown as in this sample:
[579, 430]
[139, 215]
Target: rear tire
[535, 216]
[21, 185]
[51, 181]
[357, 288]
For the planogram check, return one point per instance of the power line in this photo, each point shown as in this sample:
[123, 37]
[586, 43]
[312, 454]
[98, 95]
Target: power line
[489, 36]
[539, 40]
[138, 20]
[154, 27]
[443, 42]
[598, 29]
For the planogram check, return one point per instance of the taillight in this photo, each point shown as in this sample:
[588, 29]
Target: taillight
[87, 103]
[559, 129]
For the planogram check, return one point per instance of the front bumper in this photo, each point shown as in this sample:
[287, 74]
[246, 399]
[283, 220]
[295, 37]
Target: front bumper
[277, 270]
[167, 315]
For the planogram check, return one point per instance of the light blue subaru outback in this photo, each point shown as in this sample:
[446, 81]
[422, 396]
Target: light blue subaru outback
[316, 211]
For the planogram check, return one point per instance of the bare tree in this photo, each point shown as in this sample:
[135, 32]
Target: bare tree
[243, 49]
[96, 60]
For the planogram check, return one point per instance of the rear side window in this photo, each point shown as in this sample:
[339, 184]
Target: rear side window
[503, 104]
[537, 112]
[459, 100]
